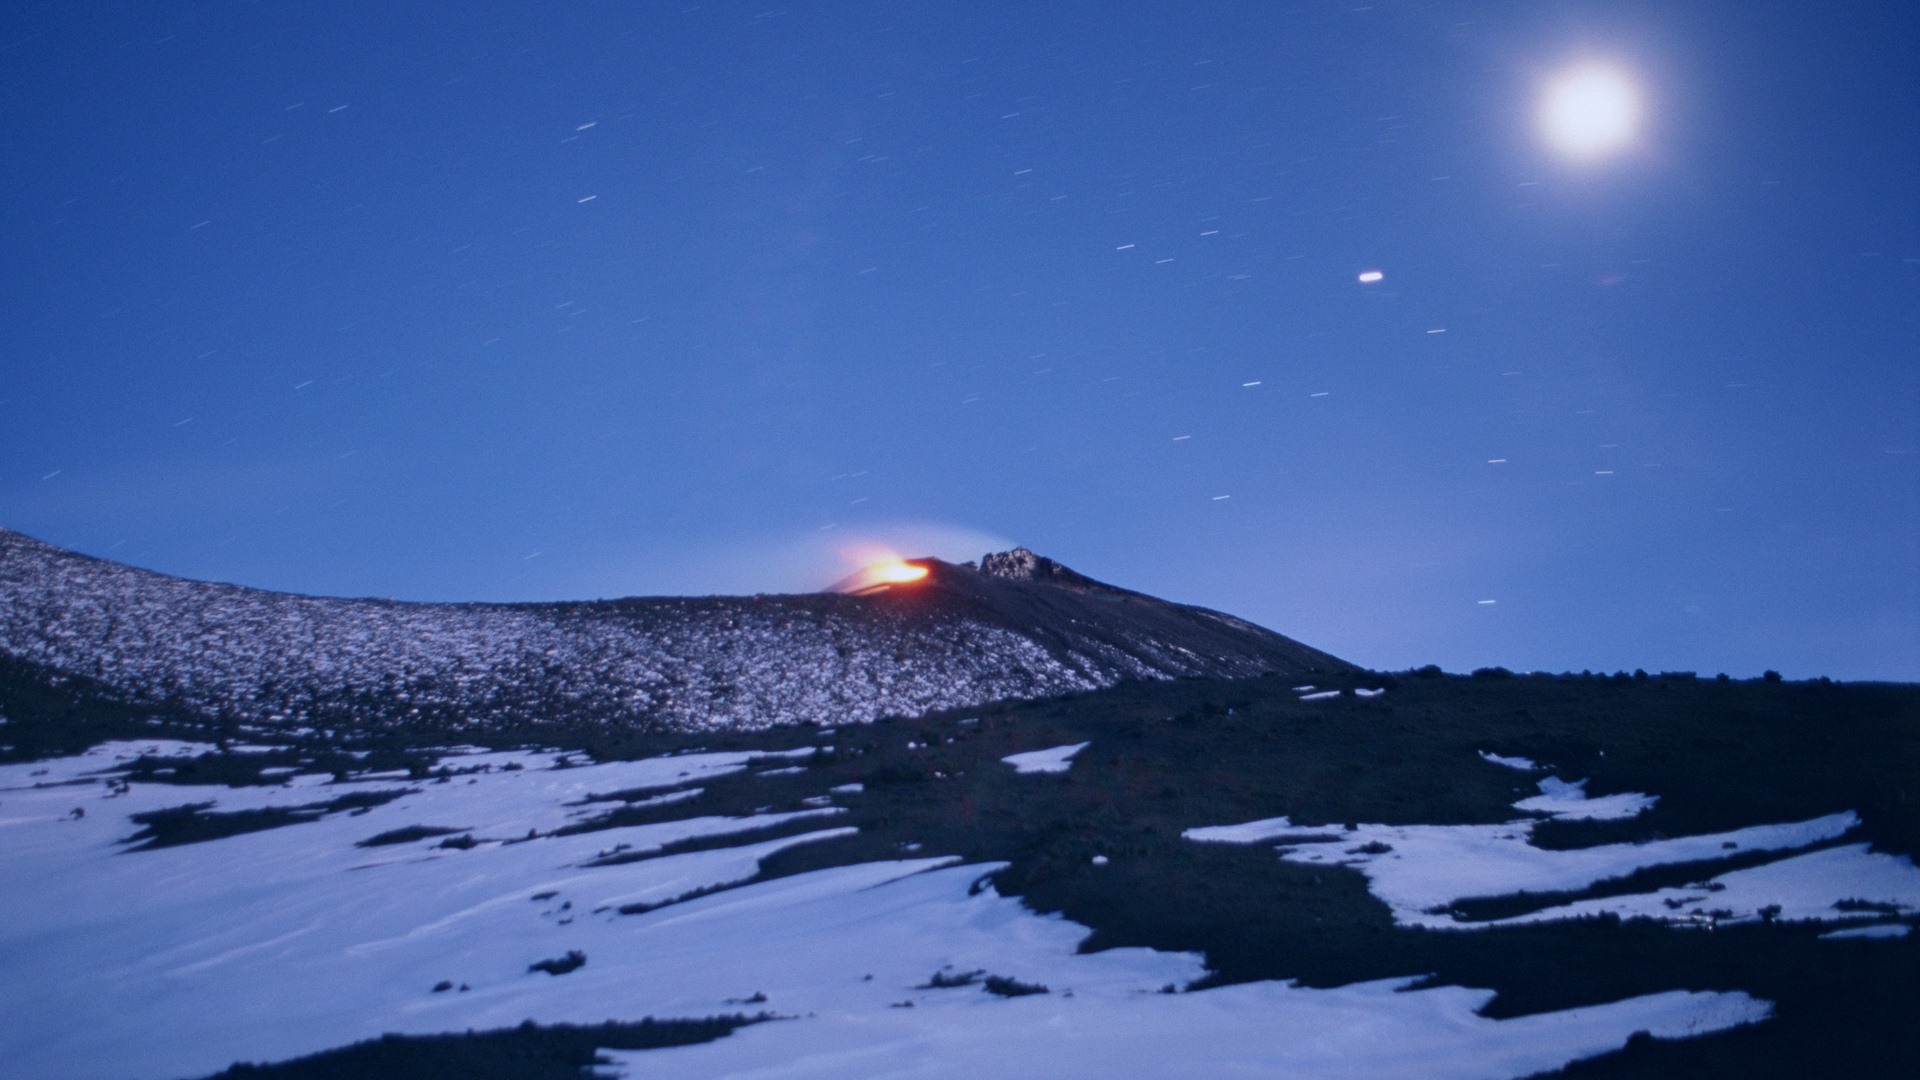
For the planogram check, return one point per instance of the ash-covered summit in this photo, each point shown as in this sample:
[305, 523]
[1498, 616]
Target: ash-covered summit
[1018, 626]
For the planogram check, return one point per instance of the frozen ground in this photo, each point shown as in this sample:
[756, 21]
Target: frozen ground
[1422, 871]
[179, 960]
[1264, 1029]
[1817, 885]
[1568, 799]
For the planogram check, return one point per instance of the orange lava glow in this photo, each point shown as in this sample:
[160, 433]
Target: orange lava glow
[896, 572]
[881, 573]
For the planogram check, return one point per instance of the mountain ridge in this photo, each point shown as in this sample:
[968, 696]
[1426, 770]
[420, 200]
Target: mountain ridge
[1019, 626]
[1511, 873]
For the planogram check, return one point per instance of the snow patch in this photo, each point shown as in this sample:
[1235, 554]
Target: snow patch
[1803, 887]
[101, 758]
[1057, 759]
[1357, 1032]
[1568, 800]
[1251, 832]
[1883, 930]
[1421, 871]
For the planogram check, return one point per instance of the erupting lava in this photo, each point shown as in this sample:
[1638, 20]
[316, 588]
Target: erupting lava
[879, 575]
[896, 572]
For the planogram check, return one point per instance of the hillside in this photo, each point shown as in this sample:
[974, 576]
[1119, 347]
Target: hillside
[1373, 876]
[1022, 628]
[1263, 872]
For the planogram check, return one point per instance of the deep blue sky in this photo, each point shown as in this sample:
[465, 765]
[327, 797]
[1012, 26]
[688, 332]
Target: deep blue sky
[526, 301]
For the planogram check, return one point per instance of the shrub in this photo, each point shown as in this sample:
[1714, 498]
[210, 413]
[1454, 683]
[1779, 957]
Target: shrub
[1005, 987]
[404, 835]
[560, 965]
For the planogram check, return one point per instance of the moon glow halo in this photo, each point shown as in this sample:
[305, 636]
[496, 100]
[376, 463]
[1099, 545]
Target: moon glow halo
[1589, 112]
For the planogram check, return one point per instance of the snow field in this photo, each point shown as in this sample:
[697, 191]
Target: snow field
[1365, 1031]
[1422, 871]
[1562, 799]
[280, 942]
[1802, 887]
[178, 961]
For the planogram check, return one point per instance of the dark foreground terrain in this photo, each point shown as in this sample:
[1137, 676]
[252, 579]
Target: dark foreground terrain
[1164, 757]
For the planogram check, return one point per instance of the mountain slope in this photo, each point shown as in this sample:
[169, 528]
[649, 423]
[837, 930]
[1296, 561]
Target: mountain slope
[235, 830]
[1018, 627]
[1211, 878]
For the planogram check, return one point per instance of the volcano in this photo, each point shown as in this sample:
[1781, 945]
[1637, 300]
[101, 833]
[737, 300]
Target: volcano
[1017, 626]
[1082, 832]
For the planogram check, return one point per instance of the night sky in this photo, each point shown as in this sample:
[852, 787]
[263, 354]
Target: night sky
[543, 301]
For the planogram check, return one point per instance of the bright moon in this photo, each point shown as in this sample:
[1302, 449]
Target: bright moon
[1590, 111]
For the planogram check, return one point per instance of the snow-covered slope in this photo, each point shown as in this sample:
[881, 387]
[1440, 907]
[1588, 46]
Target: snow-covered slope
[269, 944]
[1035, 889]
[1023, 627]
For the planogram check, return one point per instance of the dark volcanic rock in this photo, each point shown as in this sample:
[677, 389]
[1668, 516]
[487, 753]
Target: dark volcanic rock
[1021, 626]
[1023, 565]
